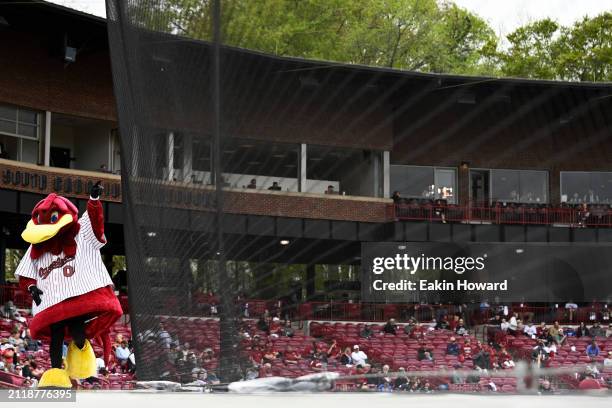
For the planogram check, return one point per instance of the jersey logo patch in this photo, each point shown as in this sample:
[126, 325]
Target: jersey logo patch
[58, 263]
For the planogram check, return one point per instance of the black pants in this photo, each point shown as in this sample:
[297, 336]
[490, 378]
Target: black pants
[76, 328]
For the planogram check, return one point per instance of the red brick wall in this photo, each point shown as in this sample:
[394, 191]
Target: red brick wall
[302, 206]
[33, 78]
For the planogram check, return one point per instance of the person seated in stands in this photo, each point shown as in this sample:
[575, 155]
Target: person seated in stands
[452, 348]
[442, 324]
[359, 357]
[396, 197]
[460, 328]
[367, 332]
[505, 360]
[163, 337]
[275, 186]
[318, 361]
[386, 382]
[330, 190]
[291, 356]
[262, 325]
[270, 354]
[256, 354]
[334, 350]
[556, 332]
[346, 357]
[424, 353]
[466, 351]
[530, 330]
[539, 354]
[390, 327]
[593, 349]
[287, 330]
[597, 331]
[542, 331]
[16, 340]
[482, 359]
[582, 330]
[504, 325]
[545, 387]
[122, 352]
[401, 383]
[252, 184]
[513, 325]
[608, 360]
[275, 327]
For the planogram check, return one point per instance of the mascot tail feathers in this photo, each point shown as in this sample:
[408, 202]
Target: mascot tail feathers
[81, 363]
[55, 378]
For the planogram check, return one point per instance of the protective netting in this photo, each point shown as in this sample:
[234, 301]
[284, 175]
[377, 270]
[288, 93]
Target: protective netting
[228, 155]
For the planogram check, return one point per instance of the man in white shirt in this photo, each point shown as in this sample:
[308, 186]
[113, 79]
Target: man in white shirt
[530, 330]
[359, 357]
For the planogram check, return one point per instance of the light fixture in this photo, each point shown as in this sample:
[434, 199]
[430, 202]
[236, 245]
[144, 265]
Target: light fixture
[151, 234]
[284, 242]
[520, 250]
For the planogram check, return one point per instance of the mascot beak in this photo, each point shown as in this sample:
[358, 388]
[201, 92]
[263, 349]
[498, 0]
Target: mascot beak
[37, 233]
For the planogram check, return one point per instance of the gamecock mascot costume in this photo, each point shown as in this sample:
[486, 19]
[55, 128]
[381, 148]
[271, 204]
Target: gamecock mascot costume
[72, 291]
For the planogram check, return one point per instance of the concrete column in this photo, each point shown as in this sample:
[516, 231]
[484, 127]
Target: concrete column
[170, 156]
[302, 174]
[187, 158]
[386, 165]
[47, 141]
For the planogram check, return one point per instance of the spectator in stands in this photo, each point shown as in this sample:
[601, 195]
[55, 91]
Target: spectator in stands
[287, 330]
[390, 327]
[593, 349]
[460, 328]
[122, 353]
[367, 332]
[545, 387]
[401, 382]
[556, 332]
[542, 331]
[597, 331]
[482, 360]
[17, 341]
[318, 361]
[505, 360]
[608, 360]
[330, 190]
[409, 328]
[252, 184]
[275, 327]
[275, 186]
[396, 197]
[452, 348]
[291, 356]
[346, 357]
[530, 330]
[30, 343]
[270, 354]
[163, 336]
[513, 324]
[504, 325]
[359, 357]
[582, 330]
[424, 353]
[262, 324]
[265, 370]
[442, 324]
[334, 350]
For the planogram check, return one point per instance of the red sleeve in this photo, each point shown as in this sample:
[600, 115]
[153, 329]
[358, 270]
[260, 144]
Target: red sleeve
[96, 217]
[25, 282]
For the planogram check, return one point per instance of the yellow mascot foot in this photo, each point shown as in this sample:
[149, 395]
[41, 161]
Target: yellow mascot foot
[55, 378]
[81, 363]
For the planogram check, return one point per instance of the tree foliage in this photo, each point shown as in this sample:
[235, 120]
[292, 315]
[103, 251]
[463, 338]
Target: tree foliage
[422, 35]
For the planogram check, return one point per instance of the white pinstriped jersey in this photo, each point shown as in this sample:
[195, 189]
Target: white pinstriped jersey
[61, 277]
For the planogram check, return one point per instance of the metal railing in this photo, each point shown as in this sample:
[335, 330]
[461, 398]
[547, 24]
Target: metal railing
[520, 215]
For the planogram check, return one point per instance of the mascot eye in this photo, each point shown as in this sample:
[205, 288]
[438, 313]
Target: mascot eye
[38, 218]
[54, 217]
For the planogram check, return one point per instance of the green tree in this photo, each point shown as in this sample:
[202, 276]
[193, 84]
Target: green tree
[532, 52]
[585, 50]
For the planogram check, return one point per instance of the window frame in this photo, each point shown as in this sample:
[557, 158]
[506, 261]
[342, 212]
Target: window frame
[455, 199]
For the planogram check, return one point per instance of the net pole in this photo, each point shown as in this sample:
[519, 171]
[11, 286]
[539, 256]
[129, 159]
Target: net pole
[228, 353]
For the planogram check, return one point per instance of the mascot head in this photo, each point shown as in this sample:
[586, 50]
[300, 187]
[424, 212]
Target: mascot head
[53, 227]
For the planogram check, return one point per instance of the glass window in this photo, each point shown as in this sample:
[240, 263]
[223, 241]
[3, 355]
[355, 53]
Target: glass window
[19, 122]
[201, 154]
[586, 187]
[522, 186]
[424, 182]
